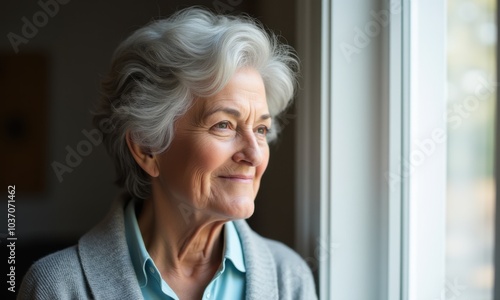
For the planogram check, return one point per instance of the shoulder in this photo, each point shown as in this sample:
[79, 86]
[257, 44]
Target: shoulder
[58, 275]
[89, 269]
[284, 256]
[294, 277]
[292, 270]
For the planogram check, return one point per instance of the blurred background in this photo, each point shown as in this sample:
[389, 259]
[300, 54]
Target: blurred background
[472, 88]
[49, 82]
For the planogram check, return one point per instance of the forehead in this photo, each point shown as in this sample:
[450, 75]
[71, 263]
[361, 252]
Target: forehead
[245, 90]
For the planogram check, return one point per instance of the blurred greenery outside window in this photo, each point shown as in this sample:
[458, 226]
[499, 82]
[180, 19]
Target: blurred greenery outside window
[472, 88]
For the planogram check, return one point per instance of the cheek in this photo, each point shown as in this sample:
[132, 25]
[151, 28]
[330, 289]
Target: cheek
[209, 156]
[265, 161]
[196, 160]
[187, 169]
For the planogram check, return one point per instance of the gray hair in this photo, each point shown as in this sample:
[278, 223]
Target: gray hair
[161, 68]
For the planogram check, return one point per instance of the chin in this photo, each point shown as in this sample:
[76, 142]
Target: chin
[242, 208]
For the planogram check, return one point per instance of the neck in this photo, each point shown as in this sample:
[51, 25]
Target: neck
[180, 247]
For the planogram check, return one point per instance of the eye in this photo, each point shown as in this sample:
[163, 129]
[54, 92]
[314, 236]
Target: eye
[222, 125]
[263, 130]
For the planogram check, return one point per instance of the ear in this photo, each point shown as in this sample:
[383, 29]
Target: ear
[142, 157]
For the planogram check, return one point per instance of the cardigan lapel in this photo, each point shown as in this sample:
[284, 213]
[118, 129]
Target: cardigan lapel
[261, 277]
[105, 258]
[109, 272]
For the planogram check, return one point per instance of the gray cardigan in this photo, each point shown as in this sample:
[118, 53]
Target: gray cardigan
[99, 267]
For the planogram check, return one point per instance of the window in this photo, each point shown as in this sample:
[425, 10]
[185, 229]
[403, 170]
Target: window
[471, 114]
[383, 170]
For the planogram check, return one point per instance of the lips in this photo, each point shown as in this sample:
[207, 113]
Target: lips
[238, 177]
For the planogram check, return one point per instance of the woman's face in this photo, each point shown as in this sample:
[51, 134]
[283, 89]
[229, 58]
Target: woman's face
[219, 152]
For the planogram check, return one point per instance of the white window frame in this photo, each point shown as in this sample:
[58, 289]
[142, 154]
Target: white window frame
[427, 195]
[370, 236]
[496, 291]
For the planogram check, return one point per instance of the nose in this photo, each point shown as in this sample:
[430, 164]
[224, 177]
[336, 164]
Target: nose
[249, 151]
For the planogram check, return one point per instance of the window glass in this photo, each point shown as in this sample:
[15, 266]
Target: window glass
[472, 87]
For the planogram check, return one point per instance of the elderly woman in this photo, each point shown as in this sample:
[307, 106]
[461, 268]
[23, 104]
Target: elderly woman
[192, 101]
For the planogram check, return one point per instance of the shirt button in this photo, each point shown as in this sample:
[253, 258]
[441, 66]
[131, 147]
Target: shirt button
[208, 296]
[152, 270]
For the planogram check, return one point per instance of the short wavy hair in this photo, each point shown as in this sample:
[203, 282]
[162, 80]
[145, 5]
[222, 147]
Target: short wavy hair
[159, 70]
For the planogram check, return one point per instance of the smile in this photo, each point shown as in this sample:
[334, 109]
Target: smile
[238, 178]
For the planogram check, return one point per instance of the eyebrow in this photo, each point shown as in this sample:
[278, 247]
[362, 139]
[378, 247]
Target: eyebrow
[233, 112]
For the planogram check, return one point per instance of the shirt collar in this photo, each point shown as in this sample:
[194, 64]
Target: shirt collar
[138, 252]
[233, 250]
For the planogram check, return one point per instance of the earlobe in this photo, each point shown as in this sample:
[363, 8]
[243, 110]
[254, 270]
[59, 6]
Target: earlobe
[143, 158]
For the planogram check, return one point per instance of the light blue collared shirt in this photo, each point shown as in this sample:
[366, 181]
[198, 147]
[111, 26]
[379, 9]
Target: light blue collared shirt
[228, 281]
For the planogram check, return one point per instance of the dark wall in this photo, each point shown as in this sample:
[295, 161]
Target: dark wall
[274, 216]
[77, 43]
